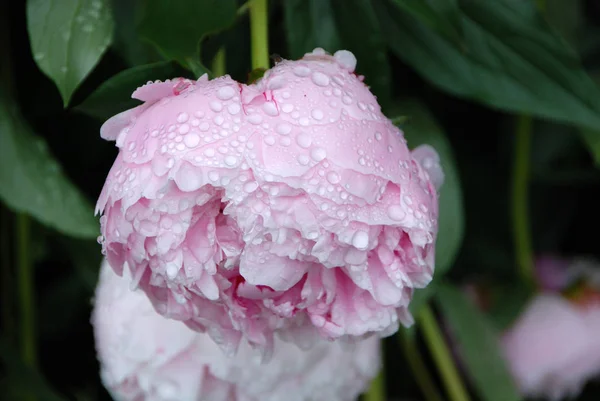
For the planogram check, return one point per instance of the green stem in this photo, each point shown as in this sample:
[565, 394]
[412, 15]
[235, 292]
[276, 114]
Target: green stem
[259, 34]
[377, 389]
[441, 355]
[218, 63]
[522, 234]
[26, 291]
[418, 368]
[5, 265]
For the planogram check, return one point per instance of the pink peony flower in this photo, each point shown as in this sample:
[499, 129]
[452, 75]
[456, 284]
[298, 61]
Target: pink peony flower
[554, 346]
[145, 357]
[292, 204]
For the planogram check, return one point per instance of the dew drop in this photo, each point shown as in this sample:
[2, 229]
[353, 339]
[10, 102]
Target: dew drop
[172, 271]
[213, 176]
[317, 114]
[269, 140]
[216, 106]
[230, 160]
[192, 140]
[318, 154]
[302, 71]
[233, 108]
[255, 119]
[360, 240]
[395, 212]
[283, 129]
[320, 79]
[250, 187]
[204, 126]
[184, 129]
[276, 83]
[333, 177]
[182, 117]
[304, 140]
[303, 160]
[225, 93]
[270, 108]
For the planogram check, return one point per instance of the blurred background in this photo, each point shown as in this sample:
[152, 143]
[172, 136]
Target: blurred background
[504, 89]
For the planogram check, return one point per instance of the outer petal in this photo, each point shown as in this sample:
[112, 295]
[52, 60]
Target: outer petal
[145, 357]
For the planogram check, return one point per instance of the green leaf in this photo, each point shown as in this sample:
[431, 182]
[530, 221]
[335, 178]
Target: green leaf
[567, 18]
[591, 137]
[478, 344]
[114, 95]
[68, 38]
[511, 60]
[442, 16]
[507, 303]
[422, 296]
[21, 382]
[310, 24]
[31, 181]
[421, 128]
[177, 27]
[127, 42]
[361, 34]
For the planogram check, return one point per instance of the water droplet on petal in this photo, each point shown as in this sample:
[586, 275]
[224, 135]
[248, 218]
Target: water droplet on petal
[231, 161]
[233, 108]
[303, 160]
[192, 140]
[182, 117]
[216, 106]
[318, 154]
[317, 114]
[283, 129]
[320, 79]
[250, 187]
[184, 129]
[255, 119]
[360, 240]
[304, 140]
[395, 212]
[226, 93]
[270, 108]
[333, 177]
[302, 71]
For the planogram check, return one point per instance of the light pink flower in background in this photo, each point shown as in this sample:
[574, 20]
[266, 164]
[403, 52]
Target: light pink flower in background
[553, 348]
[292, 204]
[552, 273]
[145, 357]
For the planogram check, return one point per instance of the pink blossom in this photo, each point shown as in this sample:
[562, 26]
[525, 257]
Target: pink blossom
[292, 204]
[145, 357]
[554, 346]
